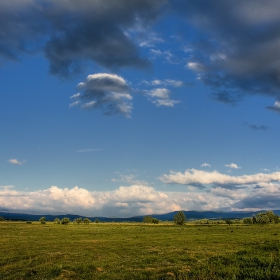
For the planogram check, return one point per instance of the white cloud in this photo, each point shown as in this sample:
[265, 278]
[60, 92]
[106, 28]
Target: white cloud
[206, 165]
[75, 95]
[162, 93]
[233, 165]
[74, 103]
[122, 202]
[196, 66]
[14, 161]
[193, 176]
[161, 97]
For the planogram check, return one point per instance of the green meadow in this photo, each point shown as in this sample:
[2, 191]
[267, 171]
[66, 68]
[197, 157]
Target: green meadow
[139, 251]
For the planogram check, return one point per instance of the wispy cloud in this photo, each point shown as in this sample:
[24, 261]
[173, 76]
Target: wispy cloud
[256, 127]
[165, 55]
[166, 82]
[129, 179]
[88, 150]
[206, 165]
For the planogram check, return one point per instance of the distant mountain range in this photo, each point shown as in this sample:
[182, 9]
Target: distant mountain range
[190, 215]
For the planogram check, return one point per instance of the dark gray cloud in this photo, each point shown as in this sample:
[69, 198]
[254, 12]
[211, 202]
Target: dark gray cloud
[256, 127]
[105, 91]
[70, 32]
[236, 49]
[270, 201]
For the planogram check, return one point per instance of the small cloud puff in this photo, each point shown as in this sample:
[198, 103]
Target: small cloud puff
[233, 166]
[206, 165]
[15, 161]
[161, 97]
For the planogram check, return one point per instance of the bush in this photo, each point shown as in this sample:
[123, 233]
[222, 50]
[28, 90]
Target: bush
[2, 219]
[42, 220]
[78, 220]
[180, 218]
[96, 221]
[56, 221]
[86, 221]
[247, 221]
[65, 221]
[155, 221]
[262, 218]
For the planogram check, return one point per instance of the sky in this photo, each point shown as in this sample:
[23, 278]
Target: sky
[123, 108]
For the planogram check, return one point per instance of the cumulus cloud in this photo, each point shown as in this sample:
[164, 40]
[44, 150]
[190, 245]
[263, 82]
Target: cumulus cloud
[122, 202]
[137, 200]
[14, 161]
[161, 97]
[108, 92]
[233, 166]
[70, 33]
[194, 176]
[237, 51]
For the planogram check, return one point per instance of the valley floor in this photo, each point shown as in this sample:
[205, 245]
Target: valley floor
[138, 251]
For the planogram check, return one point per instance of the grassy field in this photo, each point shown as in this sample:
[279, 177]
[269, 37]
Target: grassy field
[138, 251]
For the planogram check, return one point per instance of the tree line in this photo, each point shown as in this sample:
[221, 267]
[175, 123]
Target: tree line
[180, 219]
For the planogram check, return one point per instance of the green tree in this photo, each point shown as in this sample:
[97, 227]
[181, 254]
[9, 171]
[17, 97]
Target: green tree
[180, 218]
[247, 221]
[87, 221]
[42, 220]
[276, 219]
[148, 219]
[2, 219]
[228, 221]
[254, 219]
[65, 221]
[155, 221]
[262, 218]
[96, 221]
[273, 218]
[78, 220]
[56, 221]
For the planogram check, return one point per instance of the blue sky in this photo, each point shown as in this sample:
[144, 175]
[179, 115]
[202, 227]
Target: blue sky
[125, 108]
